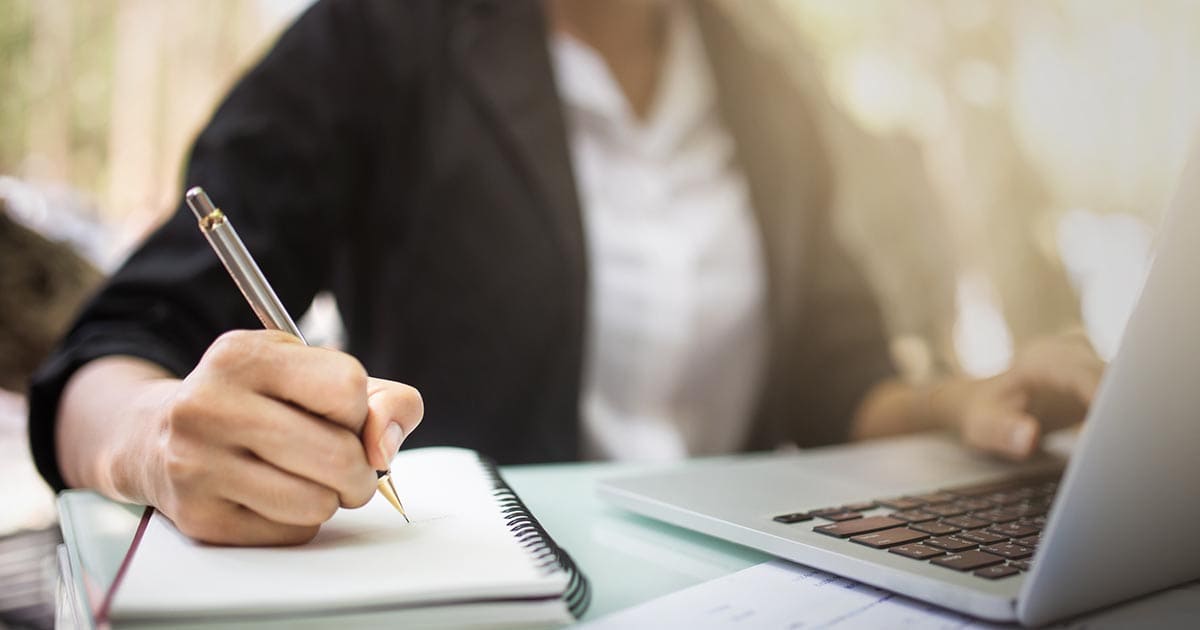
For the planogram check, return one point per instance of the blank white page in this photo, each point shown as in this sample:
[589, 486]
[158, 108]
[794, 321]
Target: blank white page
[457, 547]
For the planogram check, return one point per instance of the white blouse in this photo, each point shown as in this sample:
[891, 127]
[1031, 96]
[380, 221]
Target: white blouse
[674, 353]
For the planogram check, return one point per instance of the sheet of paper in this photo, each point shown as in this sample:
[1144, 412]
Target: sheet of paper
[781, 595]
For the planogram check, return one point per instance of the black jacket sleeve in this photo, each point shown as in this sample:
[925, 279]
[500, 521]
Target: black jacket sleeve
[279, 157]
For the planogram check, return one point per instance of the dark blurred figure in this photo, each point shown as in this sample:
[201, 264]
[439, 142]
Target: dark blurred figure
[42, 284]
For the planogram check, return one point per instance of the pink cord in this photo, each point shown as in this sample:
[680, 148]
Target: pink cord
[106, 605]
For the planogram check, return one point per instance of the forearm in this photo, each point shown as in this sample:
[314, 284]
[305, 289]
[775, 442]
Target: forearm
[105, 432]
[893, 407]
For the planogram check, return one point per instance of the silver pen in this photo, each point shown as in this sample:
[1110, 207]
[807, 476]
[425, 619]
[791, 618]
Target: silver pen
[253, 284]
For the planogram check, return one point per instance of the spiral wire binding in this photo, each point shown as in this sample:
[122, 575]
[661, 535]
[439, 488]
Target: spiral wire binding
[547, 555]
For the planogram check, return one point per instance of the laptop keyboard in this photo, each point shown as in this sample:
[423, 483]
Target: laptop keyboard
[991, 530]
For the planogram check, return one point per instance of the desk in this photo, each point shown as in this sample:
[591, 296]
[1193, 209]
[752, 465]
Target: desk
[605, 541]
[628, 559]
[608, 542]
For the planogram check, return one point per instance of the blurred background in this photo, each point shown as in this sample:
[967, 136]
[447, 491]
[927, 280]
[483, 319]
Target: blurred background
[1003, 165]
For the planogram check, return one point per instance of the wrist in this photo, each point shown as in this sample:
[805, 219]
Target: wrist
[132, 467]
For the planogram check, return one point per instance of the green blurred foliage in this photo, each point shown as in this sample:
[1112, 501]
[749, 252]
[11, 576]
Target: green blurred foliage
[57, 51]
[16, 33]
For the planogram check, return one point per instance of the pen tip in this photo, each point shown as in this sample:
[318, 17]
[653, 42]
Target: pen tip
[389, 492]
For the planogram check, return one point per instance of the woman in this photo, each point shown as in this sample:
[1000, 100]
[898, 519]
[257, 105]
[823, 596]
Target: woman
[579, 229]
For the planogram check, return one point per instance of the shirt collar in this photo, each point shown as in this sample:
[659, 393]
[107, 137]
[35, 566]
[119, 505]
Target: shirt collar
[684, 96]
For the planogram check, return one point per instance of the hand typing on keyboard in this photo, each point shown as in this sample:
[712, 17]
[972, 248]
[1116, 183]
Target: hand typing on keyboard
[1049, 386]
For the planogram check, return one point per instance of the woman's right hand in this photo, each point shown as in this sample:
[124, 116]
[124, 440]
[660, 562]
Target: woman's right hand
[259, 445]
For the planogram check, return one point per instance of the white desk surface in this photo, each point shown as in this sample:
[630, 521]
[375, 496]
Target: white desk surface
[628, 558]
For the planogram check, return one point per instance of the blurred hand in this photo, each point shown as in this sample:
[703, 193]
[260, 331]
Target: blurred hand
[1049, 386]
[267, 438]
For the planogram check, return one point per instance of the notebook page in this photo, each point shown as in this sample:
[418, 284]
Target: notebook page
[456, 548]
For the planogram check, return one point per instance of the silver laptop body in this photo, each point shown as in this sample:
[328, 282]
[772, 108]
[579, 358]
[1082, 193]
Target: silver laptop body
[1125, 517]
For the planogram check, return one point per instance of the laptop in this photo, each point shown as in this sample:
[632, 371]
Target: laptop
[1036, 542]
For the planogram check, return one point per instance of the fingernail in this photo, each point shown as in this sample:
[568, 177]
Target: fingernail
[1022, 436]
[390, 442]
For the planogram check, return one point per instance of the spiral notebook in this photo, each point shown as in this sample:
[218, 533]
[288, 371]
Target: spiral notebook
[472, 556]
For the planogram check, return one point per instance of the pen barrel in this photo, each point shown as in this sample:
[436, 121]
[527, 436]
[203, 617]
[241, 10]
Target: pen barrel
[249, 278]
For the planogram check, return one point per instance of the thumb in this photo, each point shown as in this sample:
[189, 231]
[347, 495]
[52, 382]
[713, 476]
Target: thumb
[998, 423]
[393, 412]
[1016, 435]
[1086, 381]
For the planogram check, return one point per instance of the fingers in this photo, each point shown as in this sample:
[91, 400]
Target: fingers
[393, 411]
[1067, 364]
[1014, 435]
[1084, 382]
[330, 384]
[198, 500]
[245, 527]
[996, 420]
[306, 446]
[222, 522]
[1060, 397]
[280, 434]
[1076, 379]
[276, 495]
[267, 437]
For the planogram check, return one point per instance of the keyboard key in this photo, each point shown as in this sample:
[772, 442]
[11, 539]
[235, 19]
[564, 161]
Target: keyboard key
[1020, 564]
[935, 498]
[999, 515]
[841, 516]
[823, 512]
[1030, 541]
[1029, 509]
[858, 526]
[860, 507]
[1009, 550]
[996, 572]
[916, 551]
[948, 509]
[1007, 514]
[951, 543]
[1015, 529]
[1039, 481]
[966, 522]
[967, 560]
[974, 505]
[794, 517]
[982, 537]
[1004, 498]
[1028, 493]
[936, 528]
[913, 516]
[902, 503]
[890, 538]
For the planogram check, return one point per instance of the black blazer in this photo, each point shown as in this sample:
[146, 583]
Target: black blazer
[412, 158]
